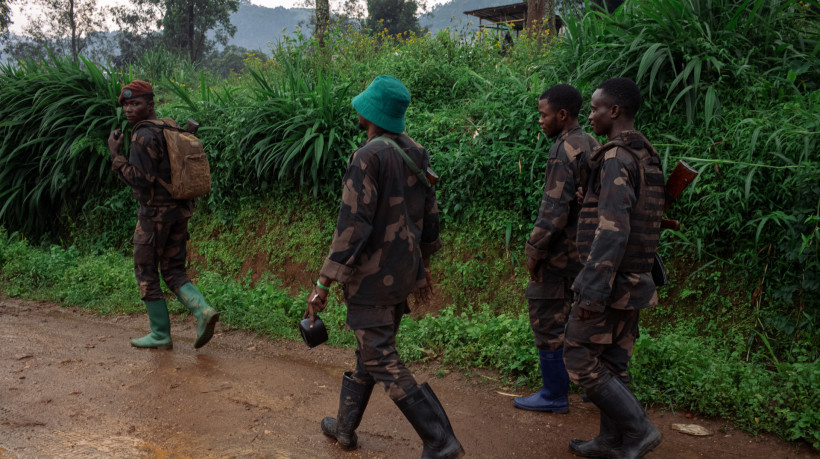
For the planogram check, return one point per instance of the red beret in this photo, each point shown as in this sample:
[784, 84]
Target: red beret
[135, 88]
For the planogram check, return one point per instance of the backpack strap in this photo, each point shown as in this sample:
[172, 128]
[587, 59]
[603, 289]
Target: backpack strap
[165, 123]
[408, 161]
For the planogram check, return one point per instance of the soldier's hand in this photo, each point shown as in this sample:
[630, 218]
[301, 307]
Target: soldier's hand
[114, 142]
[579, 195]
[317, 300]
[532, 266]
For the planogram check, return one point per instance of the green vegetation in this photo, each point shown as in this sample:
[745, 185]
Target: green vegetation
[734, 94]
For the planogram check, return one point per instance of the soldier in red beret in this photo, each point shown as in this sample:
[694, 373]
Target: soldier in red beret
[162, 221]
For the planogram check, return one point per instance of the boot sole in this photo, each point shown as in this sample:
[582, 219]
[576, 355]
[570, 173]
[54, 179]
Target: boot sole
[164, 347]
[654, 444]
[547, 410]
[453, 453]
[607, 452]
[208, 333]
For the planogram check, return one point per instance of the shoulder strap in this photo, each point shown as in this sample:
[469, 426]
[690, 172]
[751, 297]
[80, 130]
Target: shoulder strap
[162, 123]
[167, 123]
[407, 160]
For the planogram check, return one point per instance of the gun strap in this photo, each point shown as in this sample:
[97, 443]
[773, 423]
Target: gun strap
[407, 160]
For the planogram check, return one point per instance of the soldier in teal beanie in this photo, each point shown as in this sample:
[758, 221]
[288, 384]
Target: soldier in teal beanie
[387, 228]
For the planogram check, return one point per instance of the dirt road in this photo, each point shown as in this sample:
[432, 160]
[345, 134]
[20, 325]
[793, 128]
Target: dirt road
[72, 386]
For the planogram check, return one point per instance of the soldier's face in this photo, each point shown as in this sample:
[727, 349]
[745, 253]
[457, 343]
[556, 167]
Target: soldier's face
[550, 120]
[137, 109]
[600, 116]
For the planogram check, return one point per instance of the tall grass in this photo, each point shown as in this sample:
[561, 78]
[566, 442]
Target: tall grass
[55, 117]
[302, 129]
[696, 53]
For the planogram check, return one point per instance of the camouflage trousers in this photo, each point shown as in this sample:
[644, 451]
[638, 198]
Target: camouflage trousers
[599, 348]
[160, 241]
[549, 305]
[377, 360]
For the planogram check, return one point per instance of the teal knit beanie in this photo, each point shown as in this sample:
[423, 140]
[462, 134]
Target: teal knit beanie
[383, 103]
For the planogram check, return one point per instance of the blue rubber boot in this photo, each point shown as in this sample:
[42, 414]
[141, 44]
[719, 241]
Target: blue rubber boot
[553, 396]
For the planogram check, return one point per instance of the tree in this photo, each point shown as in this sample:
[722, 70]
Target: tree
[540, 13]
[65, 26]
[397, 16]
[347, 13]
[190, 27]
[137, 29]
[5, 16]
[322, 20]
[232, 59]
[186, 23]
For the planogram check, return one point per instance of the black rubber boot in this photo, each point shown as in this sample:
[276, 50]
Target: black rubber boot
[352, 402]
[422, 408]
[600, 446]
[638, 435]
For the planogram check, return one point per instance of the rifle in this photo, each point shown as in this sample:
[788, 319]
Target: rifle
[192, 126]
[681, 177]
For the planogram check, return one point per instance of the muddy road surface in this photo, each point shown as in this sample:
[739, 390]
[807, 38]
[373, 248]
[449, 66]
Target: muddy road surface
[72, 386]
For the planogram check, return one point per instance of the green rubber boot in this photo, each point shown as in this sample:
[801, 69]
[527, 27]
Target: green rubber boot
[160, 336]
[206, 316]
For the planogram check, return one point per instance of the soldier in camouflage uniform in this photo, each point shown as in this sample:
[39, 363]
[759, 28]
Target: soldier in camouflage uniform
[387, 228]
[618, 232]
[553, 259]
[161, 234]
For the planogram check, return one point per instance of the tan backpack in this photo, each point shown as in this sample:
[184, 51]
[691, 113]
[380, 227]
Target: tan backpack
[190, 171]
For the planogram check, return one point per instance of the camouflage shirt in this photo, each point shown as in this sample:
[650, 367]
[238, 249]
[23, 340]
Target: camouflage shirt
[612, 196]
[553, 237]
[147, 160]
[388, 220]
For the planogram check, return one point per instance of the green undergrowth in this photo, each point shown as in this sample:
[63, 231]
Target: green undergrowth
[697, 374]
[287, 238]
[270, 233]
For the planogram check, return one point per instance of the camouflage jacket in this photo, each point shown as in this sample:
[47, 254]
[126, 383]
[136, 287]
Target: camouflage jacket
[388, 220]
[147, 160]
[553, 237]
[621, 214]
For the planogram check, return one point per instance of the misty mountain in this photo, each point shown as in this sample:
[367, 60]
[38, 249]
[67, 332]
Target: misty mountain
[452, 15]
[257, 25]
